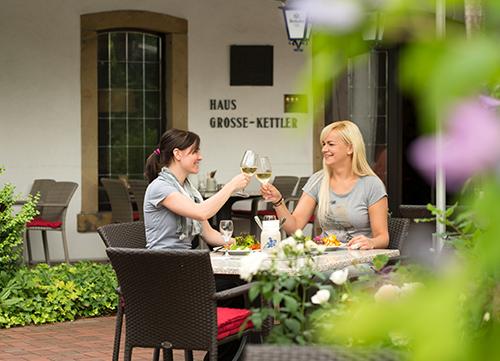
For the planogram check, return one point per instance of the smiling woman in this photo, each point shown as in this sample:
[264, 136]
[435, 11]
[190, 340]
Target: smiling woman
[351, 199]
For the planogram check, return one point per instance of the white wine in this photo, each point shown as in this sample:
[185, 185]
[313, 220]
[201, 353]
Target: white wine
[263, 177]
[248, 170]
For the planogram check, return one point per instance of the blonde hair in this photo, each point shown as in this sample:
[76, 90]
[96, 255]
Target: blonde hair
[351, 135]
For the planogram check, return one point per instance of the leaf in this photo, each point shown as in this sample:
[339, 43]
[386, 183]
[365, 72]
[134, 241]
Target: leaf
[253, 292]
[380, 261]
[291, 304]
[293, 325]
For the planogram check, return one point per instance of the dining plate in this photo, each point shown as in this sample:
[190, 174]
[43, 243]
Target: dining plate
[239, 252]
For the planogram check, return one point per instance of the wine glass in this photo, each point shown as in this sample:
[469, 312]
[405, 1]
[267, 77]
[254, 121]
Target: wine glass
[248, 166]
[226, 230]
[264, 171]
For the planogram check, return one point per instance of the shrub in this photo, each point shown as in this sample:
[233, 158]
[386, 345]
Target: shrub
[59, 293]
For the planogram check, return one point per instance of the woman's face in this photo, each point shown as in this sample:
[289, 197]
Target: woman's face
[190, 159]
[335, 150]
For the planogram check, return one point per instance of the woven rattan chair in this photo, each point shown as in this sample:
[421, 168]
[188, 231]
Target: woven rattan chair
[123, 235]
[52, 217]
[119, 197]
[316, 353]
[398, 232]
[138, 188]
[171, 300]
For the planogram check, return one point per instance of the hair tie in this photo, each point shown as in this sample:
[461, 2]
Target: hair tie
[157, 151]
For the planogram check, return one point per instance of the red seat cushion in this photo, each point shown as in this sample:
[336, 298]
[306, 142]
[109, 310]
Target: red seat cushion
[229, 321]
[39, 222]
[266, 212]
[241, 213]
[135, 216]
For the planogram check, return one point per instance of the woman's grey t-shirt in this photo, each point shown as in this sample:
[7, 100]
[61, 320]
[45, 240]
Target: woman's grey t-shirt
[348, 213]
[159, 221]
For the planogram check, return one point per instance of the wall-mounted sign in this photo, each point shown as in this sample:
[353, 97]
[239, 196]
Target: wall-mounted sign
[219, 121]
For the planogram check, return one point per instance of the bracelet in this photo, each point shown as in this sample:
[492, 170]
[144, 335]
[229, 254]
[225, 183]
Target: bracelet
[278, 203]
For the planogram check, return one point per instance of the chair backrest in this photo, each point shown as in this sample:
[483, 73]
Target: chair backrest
[59, 193]
[123, 235]
[317, 353]
[42, 187]
[119, 197]
[398, 232]
[138, 187]
[285, 184]
[169, 295]
[302, 182]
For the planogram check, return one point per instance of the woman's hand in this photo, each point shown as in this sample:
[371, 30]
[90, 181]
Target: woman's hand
[270, 193]
[240, 181]
[361, 242]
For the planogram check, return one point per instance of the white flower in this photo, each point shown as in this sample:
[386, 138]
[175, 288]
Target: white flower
[320, 297]
[298, 233]
[344, 297]
[387, 293]
[486, 317]
[398, 339]
[337, 15]
[339, 277]
[299, 248]
[410, 287]
[290, 241]
[321, 248]
[311, 245]
[252, 264]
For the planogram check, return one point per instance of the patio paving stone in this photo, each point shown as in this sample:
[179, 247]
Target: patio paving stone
[85, 339]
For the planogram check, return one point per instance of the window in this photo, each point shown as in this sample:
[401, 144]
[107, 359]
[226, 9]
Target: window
[130, 103]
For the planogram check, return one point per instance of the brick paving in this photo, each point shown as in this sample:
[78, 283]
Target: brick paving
[86, 339]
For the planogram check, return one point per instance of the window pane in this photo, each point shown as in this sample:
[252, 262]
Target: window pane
[118, 132]
[152, 105]
[103, 154]
[152, 48]
[135, 104]
[152, 76]
[117, 46]
[135, 132]
[136, 160]
[103, 78]
[103, 131]
[118, 160]
[102, 46]
[118, 75]
[152, 130]
[135, 77]
[135, 47]
[118, 100]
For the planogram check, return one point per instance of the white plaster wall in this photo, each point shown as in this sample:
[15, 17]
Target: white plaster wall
[40, 93]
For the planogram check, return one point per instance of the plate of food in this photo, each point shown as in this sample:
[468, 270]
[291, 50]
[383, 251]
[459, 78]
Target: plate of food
[244, 244]
[330, 242]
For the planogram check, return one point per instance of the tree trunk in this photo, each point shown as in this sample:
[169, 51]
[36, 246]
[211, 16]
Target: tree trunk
[473, 17]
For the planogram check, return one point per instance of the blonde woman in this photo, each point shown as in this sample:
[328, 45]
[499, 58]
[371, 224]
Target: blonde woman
[351, 199]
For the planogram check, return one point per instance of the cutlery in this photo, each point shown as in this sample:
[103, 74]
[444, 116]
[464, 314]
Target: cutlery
[259, 223]
[282, 221]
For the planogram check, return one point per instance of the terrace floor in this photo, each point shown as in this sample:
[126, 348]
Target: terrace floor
[85, 339]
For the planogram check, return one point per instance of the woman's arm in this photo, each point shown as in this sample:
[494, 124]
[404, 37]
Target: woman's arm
[377, 213]
[300, 216]
[186, 207]
[211, 236]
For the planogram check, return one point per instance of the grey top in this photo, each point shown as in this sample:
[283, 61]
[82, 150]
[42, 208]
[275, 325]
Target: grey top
[348, 213]
[164, 228]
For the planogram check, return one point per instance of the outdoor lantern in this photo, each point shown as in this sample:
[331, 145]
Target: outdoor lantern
[298, 27]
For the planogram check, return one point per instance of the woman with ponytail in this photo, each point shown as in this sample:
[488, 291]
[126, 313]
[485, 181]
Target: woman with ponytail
[175, 214]
[351, 199]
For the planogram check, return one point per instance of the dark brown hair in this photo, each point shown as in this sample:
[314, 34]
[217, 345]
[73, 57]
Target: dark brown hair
[170, 140]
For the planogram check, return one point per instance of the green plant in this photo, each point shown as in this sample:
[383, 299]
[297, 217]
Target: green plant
[12, 226]
[59, 293]
[289, 288]
[462, 227]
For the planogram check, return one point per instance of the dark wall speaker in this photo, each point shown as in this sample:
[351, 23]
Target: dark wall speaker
[251, 65]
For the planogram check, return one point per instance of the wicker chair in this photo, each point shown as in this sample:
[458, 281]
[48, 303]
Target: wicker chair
[171, 300]
[119, 197]
[52, 217]
[398, 232]
[123, 235]
[138, 188]
[316, 353]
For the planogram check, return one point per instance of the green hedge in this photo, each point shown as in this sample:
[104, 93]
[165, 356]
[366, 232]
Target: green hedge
[59, 293]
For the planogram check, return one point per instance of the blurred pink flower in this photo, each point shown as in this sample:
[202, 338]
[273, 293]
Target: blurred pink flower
[337, 15]
[470, 145]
